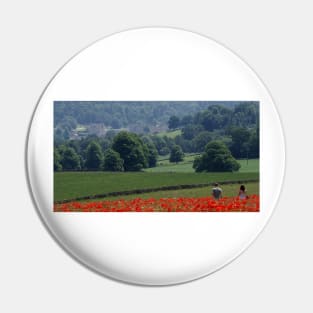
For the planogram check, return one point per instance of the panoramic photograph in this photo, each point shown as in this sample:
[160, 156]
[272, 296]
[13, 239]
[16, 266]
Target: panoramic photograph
[156, 156]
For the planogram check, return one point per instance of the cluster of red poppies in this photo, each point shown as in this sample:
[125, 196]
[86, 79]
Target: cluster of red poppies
[207, 204]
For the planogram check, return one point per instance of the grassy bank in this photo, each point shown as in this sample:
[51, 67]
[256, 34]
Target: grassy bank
[69, 185]
[228, 191]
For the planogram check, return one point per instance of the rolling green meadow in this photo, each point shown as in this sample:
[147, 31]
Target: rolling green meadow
[71, 185]
[230, 190]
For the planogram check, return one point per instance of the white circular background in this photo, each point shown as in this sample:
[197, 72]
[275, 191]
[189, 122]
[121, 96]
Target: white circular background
[155, 64]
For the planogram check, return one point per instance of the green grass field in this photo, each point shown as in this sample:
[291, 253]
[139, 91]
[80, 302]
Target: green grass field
[69, 185]
[228, 191]
[170, 134]
[253, 165]
[81, 128]
[164, 165]
[164, 159]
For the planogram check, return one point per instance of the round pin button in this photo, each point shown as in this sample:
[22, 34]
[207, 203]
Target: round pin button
[155, 156]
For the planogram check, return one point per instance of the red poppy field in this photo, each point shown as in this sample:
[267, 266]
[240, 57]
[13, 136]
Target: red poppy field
[204, 204]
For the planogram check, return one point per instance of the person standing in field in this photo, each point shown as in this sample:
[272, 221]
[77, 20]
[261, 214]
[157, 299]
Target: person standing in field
[242, 194]
[217, 192]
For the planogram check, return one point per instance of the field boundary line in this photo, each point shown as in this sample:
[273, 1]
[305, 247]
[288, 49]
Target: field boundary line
[148, 190]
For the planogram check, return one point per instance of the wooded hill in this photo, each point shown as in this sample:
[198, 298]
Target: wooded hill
[135, 116]
[234, 125]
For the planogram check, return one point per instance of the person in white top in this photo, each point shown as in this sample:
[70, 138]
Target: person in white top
[217, 192]
[242, 193]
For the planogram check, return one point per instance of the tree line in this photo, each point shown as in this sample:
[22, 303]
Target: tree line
[223, 134]
[230, 132]
[125, 152]
[119, 114]
[237, 127]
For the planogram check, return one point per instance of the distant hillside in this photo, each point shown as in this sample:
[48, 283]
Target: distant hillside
[153, 127]
[133, 115]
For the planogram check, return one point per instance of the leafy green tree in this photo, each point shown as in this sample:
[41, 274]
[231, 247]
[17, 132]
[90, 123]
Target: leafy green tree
[131, 150]
[198, 164]
[57, 160]
[69, 159]
[173, 122]
[246, 114]
[110, 134]
[94, 156]
[191, 130]
[201, 140]
[186, 145]
[152, 155]
[170, 142]
[187, 119]
[58, 135]
[160, 144]
[240, 137]
[254, 144]
[105, 143]
[112, 161]
[177, 154]
[216, 158]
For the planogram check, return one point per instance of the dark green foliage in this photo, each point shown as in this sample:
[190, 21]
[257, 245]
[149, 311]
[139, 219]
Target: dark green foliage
[201, 140]
[216, 158]
[132, 151]
[215, 117]
[164, 151]
[240, 142]
[246, 114]
[105, 144]
[94, 156]
[138, 152]
[198, 164]
[152, 155]
[110, 134]
[64, 127]
[177, 154]
[83, 144]
[170, 142]
[112, 161]
[186, 120]
[75, 145]
[57, 161]
[186, 145]
[125, 113]
[236, 126]
[198, 123]
[254, 144]
[160, 144]
[191, 130]
[69, 158]
[173, 122]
